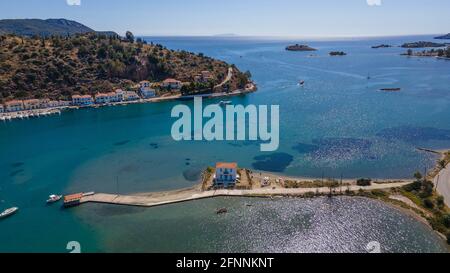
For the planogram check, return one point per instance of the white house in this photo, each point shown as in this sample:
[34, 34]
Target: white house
[127, 95]
[146, 90]
[14, 106]
[226, 175]
[84, 100]
[172, 84]
[63, 103]
[31, 104]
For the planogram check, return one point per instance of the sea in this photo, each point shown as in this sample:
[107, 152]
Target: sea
[338, 124]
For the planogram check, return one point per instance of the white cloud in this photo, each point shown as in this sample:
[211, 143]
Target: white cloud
[374, 2]
[73, 2]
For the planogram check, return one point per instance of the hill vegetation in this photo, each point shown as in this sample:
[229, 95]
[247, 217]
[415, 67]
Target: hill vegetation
[57, 67]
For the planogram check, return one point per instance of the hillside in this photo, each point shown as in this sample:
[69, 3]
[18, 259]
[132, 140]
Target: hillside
[46, 28]
[443, 37]
[58, 67]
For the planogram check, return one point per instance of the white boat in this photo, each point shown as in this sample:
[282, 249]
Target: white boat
[54, 198]
[8, 212]
[223, 103]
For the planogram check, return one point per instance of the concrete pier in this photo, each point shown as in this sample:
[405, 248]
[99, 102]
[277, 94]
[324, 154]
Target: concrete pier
[166, 198]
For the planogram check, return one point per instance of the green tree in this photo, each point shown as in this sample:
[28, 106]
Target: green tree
[129, 36]
[418, 176]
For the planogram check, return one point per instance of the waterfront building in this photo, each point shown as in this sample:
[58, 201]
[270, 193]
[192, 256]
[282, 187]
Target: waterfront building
[127, 95]
[52, 104]
[146, 90]
[172, 84]
[2, 108]
[84, 100]
[63, 103]
[31, 104]
[14, 106]
[226, 175]
[101, 98]
[44, 103]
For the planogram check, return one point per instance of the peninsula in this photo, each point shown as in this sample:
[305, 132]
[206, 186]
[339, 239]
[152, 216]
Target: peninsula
[416, 196]
[443, 37]
[422, 44]
[298, 47]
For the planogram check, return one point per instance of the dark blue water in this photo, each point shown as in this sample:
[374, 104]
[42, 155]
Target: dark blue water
[339, 123]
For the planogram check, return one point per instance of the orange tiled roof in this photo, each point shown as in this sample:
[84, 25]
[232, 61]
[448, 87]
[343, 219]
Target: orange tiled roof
[13, 102]
[225, 165]
[171, 81]
[73, 197]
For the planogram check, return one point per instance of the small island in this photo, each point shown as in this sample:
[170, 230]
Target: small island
[381, 46]
[443, 37]
[422, 44]
[298, 47]
[337, 53]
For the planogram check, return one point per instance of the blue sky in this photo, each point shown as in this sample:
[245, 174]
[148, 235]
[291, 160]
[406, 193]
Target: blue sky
[301, 18]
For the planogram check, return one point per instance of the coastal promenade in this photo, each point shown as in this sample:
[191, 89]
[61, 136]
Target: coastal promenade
[191, 194]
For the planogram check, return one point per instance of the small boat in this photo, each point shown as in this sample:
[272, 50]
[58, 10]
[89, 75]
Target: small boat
[223, 103]
[8, 212]
[54, 198]
[391, 89]
[222, 211]
[301, 83]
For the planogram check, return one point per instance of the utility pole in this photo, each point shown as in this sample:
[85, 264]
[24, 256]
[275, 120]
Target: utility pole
[117, 184]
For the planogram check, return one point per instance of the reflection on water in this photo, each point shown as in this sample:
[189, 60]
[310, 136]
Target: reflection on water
[261, 225]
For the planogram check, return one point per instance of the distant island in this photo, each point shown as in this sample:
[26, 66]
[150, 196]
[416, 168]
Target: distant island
[298, 47]
[337, 53]
[46, 28]
[443, 37]
[422, 44]
[381, 46]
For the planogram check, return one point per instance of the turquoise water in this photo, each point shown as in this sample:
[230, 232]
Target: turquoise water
[338, 124]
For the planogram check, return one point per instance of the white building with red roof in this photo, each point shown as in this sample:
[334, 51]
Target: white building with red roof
[172, 84]
[226, 174]
[82, 100]
[14, 106]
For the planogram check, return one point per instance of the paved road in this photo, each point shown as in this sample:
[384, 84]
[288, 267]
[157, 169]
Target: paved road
[443, 184]
[164, 198]
[227, 79]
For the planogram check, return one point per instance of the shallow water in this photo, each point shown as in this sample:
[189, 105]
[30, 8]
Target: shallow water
[261, 225]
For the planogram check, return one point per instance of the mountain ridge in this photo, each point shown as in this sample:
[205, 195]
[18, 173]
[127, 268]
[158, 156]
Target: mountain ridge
[46, 27]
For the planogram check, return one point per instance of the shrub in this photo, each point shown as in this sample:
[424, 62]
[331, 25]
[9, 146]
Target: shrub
[364, 182]
[428, 203]
[446, 220]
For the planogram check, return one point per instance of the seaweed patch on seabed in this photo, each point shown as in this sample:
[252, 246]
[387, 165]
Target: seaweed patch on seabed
[15, 173]
[154, 145]
[121, 143]
[414, 134]
[17, 164]
[276, 162]
[192, 174]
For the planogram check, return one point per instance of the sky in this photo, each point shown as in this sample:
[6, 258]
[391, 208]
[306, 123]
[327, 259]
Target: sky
[290, 18]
